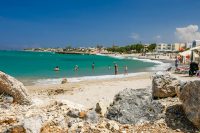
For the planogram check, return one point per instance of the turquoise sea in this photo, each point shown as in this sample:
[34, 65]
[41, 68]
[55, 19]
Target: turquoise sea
[32, 66]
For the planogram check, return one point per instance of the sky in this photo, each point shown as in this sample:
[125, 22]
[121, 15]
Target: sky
[83, 23]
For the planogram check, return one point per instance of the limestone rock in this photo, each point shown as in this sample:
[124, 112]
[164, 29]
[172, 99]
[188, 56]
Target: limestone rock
[82, 114]
[7, 120]
[164, 85]
[33, 124]
[101, 108]
[178, 89]
[73, 113]
[17, 129]
[132, 106]
[113, 126]
[190, 98]
[92, 116]
[14, 88]
[51, 128]
[8, 99]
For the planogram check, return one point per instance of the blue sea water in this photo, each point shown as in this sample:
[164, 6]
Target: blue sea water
[25, 65]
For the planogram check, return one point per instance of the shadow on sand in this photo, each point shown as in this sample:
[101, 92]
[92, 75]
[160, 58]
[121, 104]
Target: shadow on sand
[176, 119]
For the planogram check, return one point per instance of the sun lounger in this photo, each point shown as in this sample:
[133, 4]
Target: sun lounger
[182, 70]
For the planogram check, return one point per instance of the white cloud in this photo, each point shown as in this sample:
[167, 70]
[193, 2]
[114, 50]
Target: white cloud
[188, 34]
[135, 36]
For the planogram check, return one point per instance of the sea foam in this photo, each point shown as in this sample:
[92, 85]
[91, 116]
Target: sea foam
[84, 78]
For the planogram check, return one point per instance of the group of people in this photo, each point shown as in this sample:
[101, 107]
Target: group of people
[193, 68]
[76, 68]
[116, 69]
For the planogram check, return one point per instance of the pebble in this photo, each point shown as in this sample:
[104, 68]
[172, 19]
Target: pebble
[69, 124]
[8, 99]
[82, 114]
[173, 124]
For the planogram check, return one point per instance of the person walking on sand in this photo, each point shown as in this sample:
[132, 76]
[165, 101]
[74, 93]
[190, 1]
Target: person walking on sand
[176, 63]
[116, 69]
[125, 70]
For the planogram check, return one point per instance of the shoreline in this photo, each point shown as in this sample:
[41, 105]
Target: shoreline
[161, 65]
[86, 78]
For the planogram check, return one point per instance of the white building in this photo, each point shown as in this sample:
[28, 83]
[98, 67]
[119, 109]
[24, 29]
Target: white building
[179, 46]
[164, 47]
[189, 45]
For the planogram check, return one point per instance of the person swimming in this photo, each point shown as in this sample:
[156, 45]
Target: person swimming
[57, 68]
[76, 68]
[109, 67]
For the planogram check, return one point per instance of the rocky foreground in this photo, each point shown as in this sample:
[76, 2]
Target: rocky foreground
[169, 106]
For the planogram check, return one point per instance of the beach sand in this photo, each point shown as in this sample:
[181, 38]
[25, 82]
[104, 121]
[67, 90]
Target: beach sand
[87, 93]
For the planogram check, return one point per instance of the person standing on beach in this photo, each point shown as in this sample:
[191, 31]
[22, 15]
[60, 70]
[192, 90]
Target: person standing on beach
[125, 70]
[93, 66]
[116, 69]
[176, 63]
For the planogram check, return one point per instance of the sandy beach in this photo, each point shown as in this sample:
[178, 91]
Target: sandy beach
[87, 93]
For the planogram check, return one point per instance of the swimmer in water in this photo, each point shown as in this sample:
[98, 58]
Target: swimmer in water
[76, 68]
[109, 67]
[56, 68]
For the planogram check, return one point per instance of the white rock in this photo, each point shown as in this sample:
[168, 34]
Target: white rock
[33, 124]
[164, 85]
[101, 108]
[14, 88]
[64, 81]
[112, 125]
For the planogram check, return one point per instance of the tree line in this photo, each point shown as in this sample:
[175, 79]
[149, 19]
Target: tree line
[133, 48]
